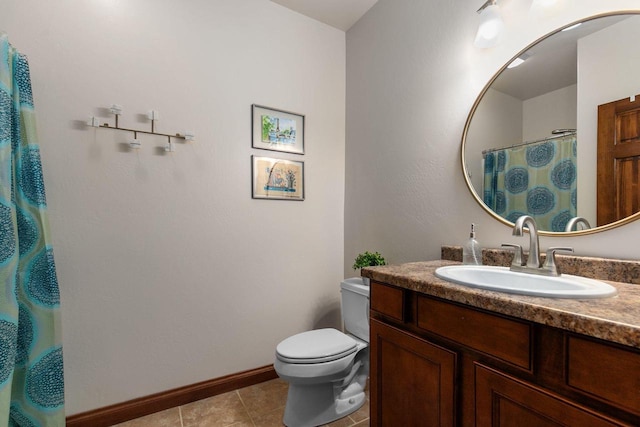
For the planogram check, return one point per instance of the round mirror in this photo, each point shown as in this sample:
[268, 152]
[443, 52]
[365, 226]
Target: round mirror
[555, 134]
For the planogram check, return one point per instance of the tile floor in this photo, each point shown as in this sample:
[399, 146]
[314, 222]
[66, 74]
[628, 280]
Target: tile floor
[260, 405]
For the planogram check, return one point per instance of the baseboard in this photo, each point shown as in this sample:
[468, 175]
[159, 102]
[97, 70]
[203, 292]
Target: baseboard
[121, 412]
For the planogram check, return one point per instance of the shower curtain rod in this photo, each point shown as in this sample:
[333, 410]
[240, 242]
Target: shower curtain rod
[557, 133]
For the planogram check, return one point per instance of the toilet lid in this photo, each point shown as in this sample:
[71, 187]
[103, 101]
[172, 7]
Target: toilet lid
[317, 346]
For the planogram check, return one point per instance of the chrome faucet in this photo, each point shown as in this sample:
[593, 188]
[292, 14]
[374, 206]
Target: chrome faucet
[573, 222]
[533, 265]
[533, 261]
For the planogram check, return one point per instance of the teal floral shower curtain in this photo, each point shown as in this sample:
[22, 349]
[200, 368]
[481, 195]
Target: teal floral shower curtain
[536, 179]
[31, 372]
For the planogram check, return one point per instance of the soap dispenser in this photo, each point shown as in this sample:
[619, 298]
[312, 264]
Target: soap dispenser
[471, 251]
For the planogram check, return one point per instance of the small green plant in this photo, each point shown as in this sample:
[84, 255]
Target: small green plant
[368, 259]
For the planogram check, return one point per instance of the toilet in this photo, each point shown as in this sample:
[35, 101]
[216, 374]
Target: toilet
[326, 369]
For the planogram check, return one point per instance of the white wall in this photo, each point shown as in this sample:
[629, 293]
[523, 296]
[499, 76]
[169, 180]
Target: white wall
[603, 64]
[412, 76]
[544, 113]
[169, 272]
[497, 123]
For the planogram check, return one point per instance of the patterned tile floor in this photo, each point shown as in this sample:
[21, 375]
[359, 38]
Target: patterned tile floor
[260, 405]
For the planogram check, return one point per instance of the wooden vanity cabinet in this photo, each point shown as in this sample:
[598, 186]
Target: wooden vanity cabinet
[413, 377]
[503, 400]
[439, 363]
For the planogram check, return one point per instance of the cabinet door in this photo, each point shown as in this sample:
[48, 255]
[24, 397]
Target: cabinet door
[502, 400]
[412, 380]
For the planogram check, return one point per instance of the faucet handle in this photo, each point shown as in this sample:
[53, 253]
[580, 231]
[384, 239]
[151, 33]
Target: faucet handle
[517, 254]
[550, 261]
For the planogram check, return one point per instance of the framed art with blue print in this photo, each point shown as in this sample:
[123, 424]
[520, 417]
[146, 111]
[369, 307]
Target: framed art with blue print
[277, 179]
[277, 130]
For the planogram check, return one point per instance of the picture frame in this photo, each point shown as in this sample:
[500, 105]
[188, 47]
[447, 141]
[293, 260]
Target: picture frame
[277, 130]
[277, 179]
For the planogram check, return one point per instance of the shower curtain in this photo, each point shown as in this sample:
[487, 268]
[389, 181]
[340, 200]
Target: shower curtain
[31, 374]
[536, 179]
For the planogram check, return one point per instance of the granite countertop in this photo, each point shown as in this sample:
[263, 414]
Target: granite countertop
[615, 319]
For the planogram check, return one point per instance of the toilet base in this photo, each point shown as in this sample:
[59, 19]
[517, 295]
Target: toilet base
[318, 404]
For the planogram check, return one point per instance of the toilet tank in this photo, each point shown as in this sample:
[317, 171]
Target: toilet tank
[355, 307]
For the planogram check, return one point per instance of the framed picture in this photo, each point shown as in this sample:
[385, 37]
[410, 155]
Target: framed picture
[277, 130]
[277, 179]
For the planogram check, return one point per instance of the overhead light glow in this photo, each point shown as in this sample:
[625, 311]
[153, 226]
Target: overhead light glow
[573, 26]
[543, 3]
[519, 60]
[515, 63]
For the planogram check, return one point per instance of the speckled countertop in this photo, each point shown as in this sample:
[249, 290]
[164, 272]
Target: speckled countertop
[615, 319]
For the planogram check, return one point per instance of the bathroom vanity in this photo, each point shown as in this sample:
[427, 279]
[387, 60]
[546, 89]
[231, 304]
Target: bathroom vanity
[444, 354]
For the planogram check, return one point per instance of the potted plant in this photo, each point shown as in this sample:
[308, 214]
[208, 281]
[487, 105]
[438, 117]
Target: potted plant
[368, 259]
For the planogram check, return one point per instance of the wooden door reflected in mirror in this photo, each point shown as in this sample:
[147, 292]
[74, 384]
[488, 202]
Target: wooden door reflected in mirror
[618, 160]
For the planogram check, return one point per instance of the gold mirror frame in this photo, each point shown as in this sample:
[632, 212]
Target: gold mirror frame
[477, 198]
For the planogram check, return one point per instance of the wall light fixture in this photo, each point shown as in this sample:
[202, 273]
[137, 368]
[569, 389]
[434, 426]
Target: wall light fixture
[491, 25]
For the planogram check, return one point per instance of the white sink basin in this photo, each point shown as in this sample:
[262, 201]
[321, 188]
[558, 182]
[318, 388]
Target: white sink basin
[501, 279]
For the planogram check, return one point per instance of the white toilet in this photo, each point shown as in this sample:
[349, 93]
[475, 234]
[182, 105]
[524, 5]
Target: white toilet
[326, 369]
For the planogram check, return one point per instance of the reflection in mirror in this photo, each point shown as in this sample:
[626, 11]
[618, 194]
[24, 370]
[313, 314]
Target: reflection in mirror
[530, 146]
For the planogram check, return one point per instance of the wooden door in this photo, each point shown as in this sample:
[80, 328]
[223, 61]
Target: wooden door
[618, 160]
[418, 379]
[504, 401]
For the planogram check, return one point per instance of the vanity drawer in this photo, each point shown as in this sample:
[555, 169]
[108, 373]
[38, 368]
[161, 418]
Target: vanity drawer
[505, 339]
[387, 300]
[606, 372]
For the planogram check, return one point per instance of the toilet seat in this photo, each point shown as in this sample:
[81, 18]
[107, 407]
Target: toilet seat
[317, 346]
